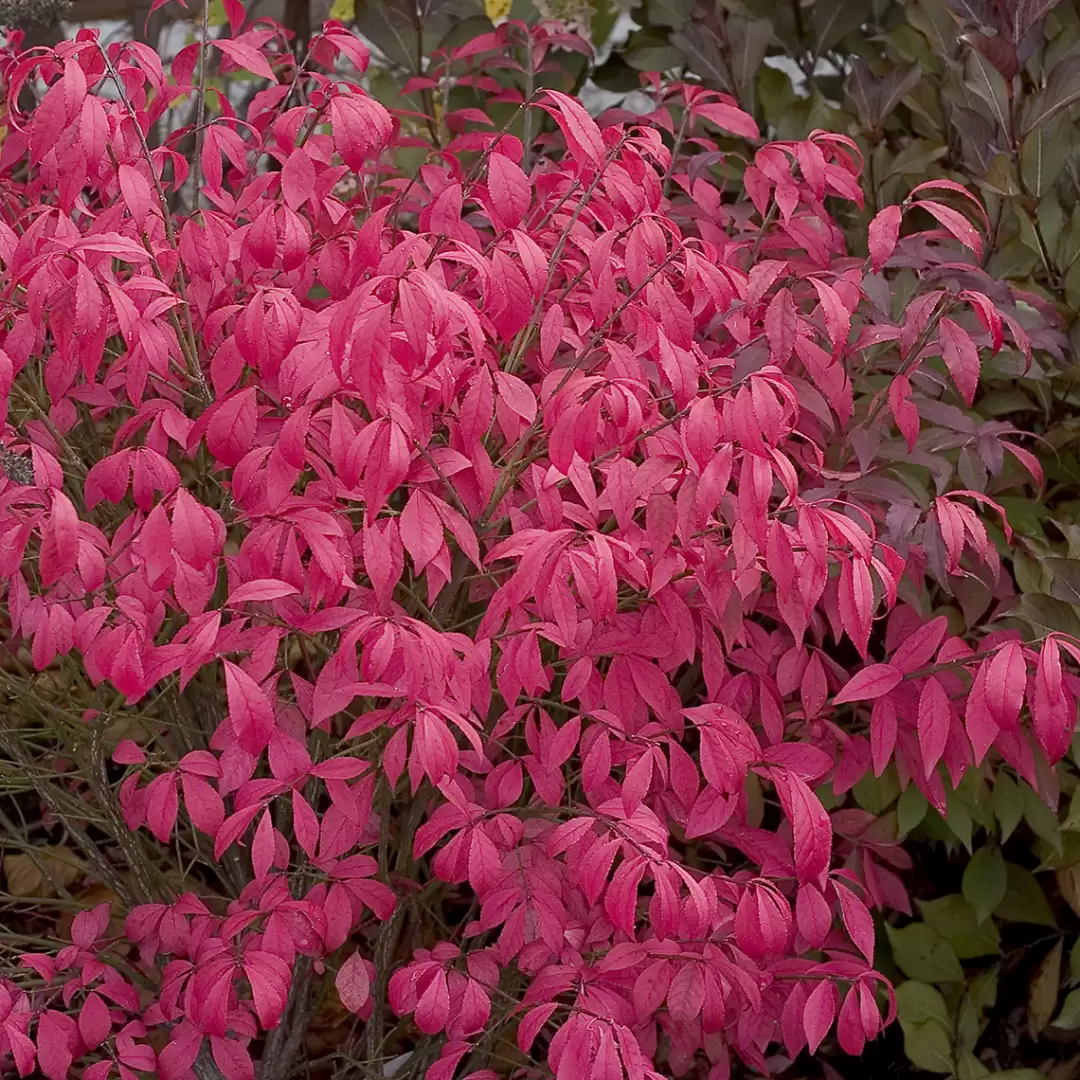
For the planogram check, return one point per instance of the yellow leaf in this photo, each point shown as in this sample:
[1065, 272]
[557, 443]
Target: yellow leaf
[497, 9]
[24, 878]
[1069, 883]
[1043, 991]
[343, 10]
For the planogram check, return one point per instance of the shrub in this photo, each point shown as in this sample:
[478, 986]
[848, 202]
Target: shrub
[463, 588]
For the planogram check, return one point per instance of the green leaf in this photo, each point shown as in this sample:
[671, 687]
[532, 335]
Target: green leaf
[650, 51]
[922, 953]
[958, 818]
[1072, 818]
[955, 920]
[928, 1046]
[983, 988]
[987, 83]
[1061, 91]
[1043, 155]
[748, 41]
[1043, 822]
[985, 881]
[1024, 900]
[876, 793]
[673, 13]
[835, 19]
[918, 1001]
[705, 57]
[969, 1067]
[1008, 804]
[911, 808]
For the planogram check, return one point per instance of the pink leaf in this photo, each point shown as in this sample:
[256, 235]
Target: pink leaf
[935, 716]
[583, 138]
[353, 983]
[251, 714]
[728, 117]
[872, 682]
[261, 589]
[883, 235]
[819, 1013]
[961, 357]
[245, 56]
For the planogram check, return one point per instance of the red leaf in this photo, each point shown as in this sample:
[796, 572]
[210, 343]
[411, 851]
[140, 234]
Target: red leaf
[249, 710]
[956, 223]
[1006, 680]
[231, 430]
[57, 1038]
[935, 716]
[728, 117]
[510, 190]
[245, 56]
[353, 983]
[781, 321]
[961, 357]
[297, 179]
[361, 128]
[59, 541]
[857, 920]
[819, 1013]
[872, 682]
[260, 589]
[883, 235]
[583, 138]
[421, 529]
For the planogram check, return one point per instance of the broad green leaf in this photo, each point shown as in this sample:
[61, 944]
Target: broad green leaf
[835, 19]
[1043, 822]
[705, 57]
[1043, 990]
[958, 817]
[1024, 901]
[1046, 614]
[1072, 818]
[1008, 804]
[1068, 882]
[969, 1067]
[1065, 579]
[922, 953]
[983, 80]
[984, 881]
[918, 1001]
[911, 808]
[955, 920]
[1061, 91]
[969, 1024]
[983, 989]
[650, 51]
[1069, 1017]
[748, 41]
[928, 1046]
[1029, 573]
[876, 793]
[673, 13]
[1044, 154]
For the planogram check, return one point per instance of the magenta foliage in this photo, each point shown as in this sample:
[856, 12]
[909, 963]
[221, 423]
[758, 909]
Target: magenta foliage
[535, 512]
